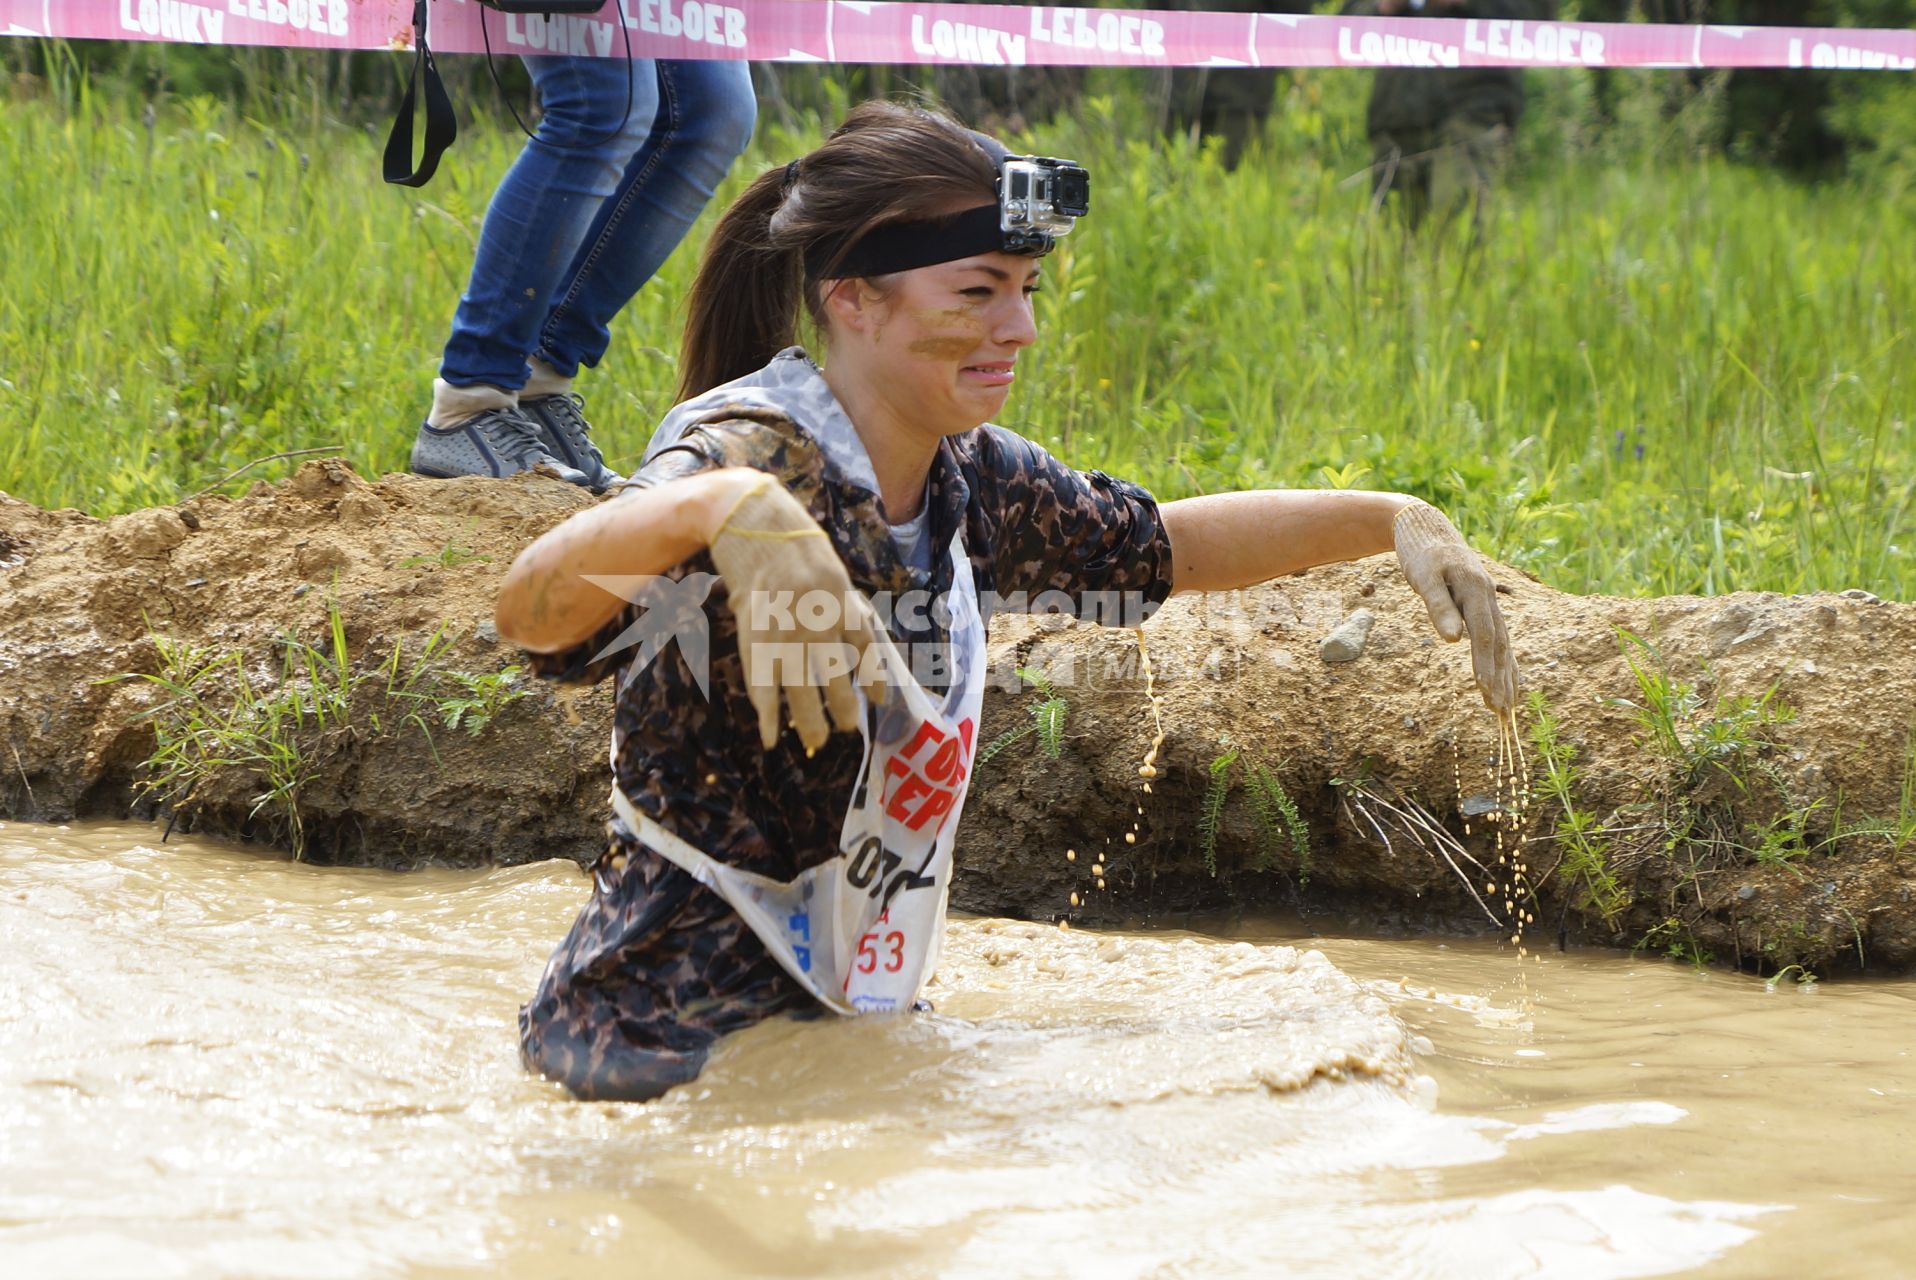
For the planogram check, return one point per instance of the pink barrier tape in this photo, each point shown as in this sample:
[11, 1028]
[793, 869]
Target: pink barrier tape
[859, 31]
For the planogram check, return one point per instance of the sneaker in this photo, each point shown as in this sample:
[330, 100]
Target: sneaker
[494, 442]
[566, 434]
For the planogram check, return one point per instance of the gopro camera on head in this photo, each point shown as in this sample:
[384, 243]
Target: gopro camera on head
[1038, 198]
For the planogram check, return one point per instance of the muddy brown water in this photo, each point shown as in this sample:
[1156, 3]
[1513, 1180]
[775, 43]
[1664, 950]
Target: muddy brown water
[215, 1063]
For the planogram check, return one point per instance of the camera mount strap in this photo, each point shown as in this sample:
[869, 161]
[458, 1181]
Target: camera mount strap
[901, 246]
[441, 125]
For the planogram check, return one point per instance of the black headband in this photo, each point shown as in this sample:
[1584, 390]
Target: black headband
[901, 246]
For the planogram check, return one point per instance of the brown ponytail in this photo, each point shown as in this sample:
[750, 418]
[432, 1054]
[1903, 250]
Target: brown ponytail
[886, 163]
[743, 308]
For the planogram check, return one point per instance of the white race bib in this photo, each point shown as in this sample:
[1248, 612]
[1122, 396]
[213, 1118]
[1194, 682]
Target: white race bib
[862, 930]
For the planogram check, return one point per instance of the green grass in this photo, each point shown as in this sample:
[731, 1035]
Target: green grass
[1047, 720]
[1578, 833]
[1661, 374]
[216, 718]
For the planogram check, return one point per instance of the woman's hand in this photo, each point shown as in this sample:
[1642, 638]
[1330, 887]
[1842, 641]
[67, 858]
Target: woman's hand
[1441, 567]
[801, 623]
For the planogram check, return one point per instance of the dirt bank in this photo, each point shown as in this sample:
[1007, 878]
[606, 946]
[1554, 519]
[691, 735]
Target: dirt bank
[1766, 834]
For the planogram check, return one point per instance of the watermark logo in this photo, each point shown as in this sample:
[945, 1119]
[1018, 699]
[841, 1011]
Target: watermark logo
[674, 610]
[795, 637]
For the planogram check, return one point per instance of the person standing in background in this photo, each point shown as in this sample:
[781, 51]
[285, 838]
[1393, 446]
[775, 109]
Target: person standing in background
[595, 203]
[1439, 137]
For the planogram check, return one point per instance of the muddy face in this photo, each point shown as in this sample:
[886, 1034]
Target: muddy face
[942, 346]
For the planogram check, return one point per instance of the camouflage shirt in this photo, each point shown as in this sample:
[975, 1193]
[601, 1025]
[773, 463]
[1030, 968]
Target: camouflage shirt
[656, 962]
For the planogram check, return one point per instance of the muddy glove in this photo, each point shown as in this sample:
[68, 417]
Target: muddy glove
[771, 553]
[1441, 567]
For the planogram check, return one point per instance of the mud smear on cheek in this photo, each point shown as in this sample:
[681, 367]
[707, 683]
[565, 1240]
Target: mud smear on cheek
[957, 334]
[945, 348]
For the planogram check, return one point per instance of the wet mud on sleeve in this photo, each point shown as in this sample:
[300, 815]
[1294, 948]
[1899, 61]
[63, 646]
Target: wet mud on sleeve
[581, 663]
[1083, 533]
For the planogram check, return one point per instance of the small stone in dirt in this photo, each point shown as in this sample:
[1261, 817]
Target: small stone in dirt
[1858, 594]
[1345, 643]
[152, 532]
[1736, 624]
[196, 582]
[1746, 892]
[188, 519]
[320, 477]
[302, 589]
[486, 632]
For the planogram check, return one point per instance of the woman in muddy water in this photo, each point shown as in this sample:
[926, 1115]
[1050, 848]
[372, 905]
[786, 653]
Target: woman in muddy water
[825, 544]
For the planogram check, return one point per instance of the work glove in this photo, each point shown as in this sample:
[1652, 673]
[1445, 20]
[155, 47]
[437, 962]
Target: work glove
[1441, 567]
[772, 554]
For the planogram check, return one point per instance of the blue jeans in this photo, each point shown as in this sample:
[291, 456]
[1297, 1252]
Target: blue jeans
[572, 234]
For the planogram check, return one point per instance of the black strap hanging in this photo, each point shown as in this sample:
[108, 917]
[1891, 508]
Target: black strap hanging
[441, 125]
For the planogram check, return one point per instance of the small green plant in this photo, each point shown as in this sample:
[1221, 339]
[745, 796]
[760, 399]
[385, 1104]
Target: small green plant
[1674, 939]
[1899, 832]
[1724, 740]
[453, 554]
[1216, 789]
[219, 719]
[480, 698]
[1725, 802]
[1278, 819]
[1579, 832]
[405, 690]
[1666, 704]
[1785, 837]
[450, 556]
[1047, 720]
[1804, 978]
[1790, 947]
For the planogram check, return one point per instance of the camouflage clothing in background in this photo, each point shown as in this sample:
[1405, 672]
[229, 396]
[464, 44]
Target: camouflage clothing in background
[657, 967]
[1440, 136]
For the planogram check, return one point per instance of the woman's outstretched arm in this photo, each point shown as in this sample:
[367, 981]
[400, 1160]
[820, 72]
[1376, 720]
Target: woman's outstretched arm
[546, 603]
[1224, 541]
[1229, 540]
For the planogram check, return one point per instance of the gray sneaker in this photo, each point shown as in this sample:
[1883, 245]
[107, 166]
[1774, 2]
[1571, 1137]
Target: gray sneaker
[566, 434]
[495, 442]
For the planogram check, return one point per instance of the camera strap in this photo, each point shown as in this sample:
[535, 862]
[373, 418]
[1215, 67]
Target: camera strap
[442, 127]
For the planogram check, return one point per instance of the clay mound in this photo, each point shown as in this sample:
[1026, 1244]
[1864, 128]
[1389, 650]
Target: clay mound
[1748, 837]
[402, 557]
